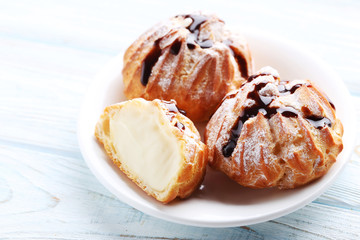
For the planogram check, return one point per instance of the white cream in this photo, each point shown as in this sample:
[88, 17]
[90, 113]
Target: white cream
[146, 148]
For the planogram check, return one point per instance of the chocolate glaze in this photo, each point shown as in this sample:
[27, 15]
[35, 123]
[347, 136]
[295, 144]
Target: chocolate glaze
[173, 109]
[330, 102]
[180, 126]
[241, 62]
[240, 59]
[293, 88]
[284, 90]
[252, 77]
[171, 106]
[192, 40]
[318, 121]
[197, 21]
[175, 47]
[287, 111]
[228, 149]
[149, 63]
[191, 45]
[194, 29]
[262, 105]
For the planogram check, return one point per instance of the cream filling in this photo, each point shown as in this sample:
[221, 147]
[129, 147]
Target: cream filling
[145, 147]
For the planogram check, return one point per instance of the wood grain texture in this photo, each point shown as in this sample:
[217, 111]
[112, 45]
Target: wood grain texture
[49, 52]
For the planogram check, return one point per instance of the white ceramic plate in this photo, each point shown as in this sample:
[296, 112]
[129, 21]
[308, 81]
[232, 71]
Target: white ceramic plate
[219, 202]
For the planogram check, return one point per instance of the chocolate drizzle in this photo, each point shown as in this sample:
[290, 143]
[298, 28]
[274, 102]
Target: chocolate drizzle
[173, 110]
[262, 105]
[197, 21]
[241, 62]
[285, 90]
[194, 29]
[180, 126]
[193, 39]
[175, 47]
[239, 58]
[171, 106]
[149, 63]
[330, 102]
[318, 122]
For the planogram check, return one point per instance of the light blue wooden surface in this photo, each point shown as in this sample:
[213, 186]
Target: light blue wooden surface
[49, 52]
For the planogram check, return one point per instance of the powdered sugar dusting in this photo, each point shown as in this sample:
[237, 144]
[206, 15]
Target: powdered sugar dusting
[249, 102]
[269, 70]
[263, 79]
[269, 90]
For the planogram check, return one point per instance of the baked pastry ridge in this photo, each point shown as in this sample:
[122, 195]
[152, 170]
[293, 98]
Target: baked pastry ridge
[155, 145]
[193, 59]
[274, 133]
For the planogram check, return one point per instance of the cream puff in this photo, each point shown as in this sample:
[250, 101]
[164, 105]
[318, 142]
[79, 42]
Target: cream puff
[193, 59]
[155, 145]
[274, 133]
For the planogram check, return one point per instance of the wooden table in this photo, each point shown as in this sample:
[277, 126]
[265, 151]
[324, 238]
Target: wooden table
[49, 53]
